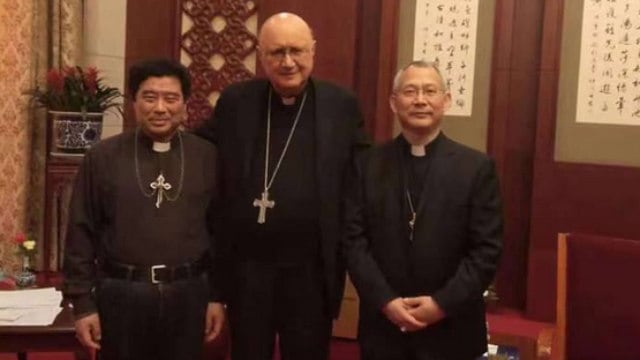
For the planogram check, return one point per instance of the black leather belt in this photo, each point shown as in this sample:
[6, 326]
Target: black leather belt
[154, 274]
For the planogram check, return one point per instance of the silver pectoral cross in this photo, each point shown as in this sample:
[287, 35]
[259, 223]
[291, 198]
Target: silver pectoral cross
[160, 186]
[263, 203]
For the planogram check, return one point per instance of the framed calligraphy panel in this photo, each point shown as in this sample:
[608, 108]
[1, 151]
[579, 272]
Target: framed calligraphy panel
[609, 77]
[598, 109]
[447, 31]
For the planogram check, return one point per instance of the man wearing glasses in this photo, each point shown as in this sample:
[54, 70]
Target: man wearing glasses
[284, 144]
[424, 232]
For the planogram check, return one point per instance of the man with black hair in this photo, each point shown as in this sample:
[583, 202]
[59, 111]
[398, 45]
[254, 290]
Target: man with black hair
[140, 246]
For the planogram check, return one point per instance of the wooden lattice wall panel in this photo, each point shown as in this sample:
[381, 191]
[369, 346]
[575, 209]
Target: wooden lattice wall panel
[218, 46]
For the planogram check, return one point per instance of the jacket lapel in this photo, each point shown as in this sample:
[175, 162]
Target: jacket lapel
[431, 200]
[324, 128]
[398, 180]
[251, 120]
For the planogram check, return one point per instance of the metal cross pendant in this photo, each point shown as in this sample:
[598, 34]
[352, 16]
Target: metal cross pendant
[160, 186]
[412, 224]
[263, 203]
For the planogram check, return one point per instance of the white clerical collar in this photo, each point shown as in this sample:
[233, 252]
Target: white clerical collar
[418, 146]
[289, 100]
[161, 146]
[418, 150]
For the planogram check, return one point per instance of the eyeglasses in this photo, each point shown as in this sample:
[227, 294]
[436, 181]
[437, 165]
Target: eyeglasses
[280, 54]
[413, 93]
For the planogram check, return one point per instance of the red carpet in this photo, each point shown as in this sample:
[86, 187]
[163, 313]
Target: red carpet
[340, 350]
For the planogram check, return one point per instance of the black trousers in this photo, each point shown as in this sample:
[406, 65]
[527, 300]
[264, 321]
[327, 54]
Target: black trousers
[283, 302]
[401, 350]
[145, 321]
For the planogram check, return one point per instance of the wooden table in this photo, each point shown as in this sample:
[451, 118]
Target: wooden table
[59, 336]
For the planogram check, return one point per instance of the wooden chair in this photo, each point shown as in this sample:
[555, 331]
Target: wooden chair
[598, 311]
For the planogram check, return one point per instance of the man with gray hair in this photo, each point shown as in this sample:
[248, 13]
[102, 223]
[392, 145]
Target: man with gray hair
[424, 232]
[285, 144]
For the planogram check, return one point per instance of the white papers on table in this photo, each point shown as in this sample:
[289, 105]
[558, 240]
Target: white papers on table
[31, 307]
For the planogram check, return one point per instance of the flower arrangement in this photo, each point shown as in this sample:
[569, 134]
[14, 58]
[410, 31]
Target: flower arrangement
[75, 89]
[26, 248]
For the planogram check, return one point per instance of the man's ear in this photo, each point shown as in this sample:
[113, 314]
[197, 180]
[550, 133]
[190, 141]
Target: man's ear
[392, 102]
[447, 101]
[313, 48]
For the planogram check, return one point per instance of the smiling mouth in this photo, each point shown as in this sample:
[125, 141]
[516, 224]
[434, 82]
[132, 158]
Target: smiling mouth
[289, 74]
[158, 121]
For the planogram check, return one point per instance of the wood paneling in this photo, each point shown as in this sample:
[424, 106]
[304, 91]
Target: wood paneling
[60, 176]
[153, 30]
[511, 142]
[568, 197]
[381, 125]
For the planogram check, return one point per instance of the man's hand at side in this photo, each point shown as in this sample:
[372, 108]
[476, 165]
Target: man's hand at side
[88, 331]
[214, 319]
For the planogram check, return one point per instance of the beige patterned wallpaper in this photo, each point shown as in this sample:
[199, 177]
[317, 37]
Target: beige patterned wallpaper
[24, 59]
[15, 141]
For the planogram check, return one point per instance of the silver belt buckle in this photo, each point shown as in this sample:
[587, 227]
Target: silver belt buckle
[154, 280]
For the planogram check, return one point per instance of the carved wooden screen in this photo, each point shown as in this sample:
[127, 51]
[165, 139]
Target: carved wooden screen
[217, 45]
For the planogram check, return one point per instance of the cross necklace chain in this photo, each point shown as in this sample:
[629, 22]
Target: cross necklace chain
[160, 187]
[264, 202]
[413, 176]
[412, 220]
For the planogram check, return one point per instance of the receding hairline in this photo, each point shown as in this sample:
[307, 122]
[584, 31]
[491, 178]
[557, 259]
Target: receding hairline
[283, 18]
[421, 64]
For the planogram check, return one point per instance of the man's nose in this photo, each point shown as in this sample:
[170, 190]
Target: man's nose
[287, 60]
[421, 97]
[161, 106]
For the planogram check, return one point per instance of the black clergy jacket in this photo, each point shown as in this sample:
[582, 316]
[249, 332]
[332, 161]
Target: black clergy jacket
[453, 255]
[236, 128]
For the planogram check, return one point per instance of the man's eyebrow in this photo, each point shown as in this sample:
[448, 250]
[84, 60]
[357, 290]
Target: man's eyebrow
[165, 93]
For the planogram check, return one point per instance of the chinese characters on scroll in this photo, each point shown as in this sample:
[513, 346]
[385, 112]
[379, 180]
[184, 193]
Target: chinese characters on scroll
[445, 32]
[609, 77]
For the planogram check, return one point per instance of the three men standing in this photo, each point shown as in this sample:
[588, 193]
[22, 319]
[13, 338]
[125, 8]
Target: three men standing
[422, 217]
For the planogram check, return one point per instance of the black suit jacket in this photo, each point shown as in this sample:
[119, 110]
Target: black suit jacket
[235, 128]
[452, 258]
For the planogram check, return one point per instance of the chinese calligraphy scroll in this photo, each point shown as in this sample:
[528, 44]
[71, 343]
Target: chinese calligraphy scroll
[445, 32]
[609, 75]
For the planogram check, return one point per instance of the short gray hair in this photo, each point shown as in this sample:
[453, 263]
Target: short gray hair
[419, 64]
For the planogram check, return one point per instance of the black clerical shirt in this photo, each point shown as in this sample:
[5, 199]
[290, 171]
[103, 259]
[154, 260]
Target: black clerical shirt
[416, 171]
[113, 213]
[291, 234]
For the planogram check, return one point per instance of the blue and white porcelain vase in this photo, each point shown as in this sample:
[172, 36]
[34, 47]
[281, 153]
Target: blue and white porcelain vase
[74, 132]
